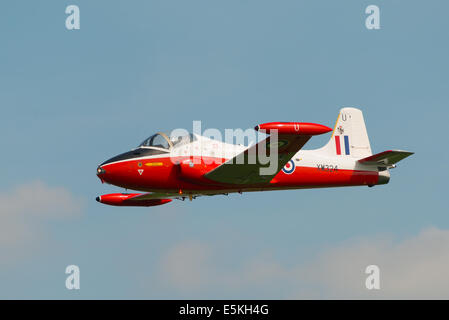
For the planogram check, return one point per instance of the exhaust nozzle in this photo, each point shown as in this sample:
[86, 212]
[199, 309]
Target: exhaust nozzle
[384, 177]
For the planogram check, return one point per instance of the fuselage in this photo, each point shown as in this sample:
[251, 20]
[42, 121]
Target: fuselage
[157, 169]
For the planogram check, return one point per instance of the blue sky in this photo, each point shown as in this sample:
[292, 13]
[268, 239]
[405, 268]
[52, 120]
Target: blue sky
[71, 99]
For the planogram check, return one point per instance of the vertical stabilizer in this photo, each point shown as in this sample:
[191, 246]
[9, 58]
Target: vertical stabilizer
[349, 138]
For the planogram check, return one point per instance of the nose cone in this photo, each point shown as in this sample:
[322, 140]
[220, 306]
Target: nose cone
[117, 174]
[100, 170]
[117, 170]
[100, 174]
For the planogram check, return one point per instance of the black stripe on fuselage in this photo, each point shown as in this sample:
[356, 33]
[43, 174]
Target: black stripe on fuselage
[137, 153]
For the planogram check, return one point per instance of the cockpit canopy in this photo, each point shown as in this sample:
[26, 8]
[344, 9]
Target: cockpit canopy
[164, 141]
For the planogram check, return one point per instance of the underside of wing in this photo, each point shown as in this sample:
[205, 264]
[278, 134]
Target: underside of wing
[260, 163]
[151, 199]
[386, 158]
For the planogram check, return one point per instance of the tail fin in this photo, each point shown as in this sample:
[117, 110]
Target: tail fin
[349, 137]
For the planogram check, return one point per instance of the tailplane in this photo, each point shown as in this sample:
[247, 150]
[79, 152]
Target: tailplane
[386, 159]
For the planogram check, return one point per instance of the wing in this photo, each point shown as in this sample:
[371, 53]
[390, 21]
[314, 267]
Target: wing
[246, 168]
[386, 158]
[260, 163]
[153, 196]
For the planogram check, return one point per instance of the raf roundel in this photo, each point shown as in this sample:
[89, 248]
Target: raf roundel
[289, 167]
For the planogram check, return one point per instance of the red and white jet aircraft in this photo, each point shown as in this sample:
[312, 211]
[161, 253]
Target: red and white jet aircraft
[167, 168]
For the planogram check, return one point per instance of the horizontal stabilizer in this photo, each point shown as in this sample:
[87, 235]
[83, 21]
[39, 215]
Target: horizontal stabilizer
[386, 158]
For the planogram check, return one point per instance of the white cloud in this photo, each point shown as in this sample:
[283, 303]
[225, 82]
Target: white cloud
[188, 266]
[416, 267]
[413, 268]
[24, 211]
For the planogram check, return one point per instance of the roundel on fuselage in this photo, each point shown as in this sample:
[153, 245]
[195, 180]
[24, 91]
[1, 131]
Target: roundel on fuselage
[289, 167]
